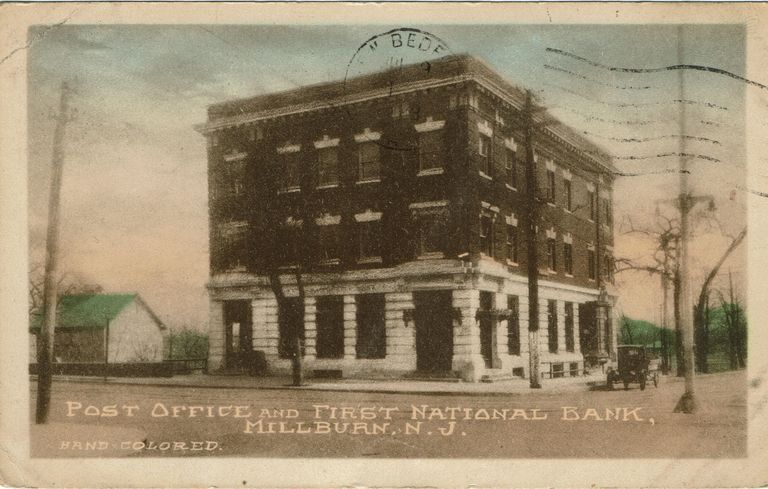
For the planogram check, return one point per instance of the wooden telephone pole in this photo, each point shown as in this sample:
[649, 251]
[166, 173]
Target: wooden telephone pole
[532, 244]
[50, 290]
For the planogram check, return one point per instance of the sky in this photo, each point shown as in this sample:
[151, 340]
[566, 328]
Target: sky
[134, 196]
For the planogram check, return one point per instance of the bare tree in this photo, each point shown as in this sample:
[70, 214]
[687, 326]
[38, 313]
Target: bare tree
[701, 309]
[735, 326]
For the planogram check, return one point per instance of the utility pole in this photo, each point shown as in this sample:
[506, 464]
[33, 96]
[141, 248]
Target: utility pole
[664, 322]
[531, 241]
[687, 403]
[50, 291]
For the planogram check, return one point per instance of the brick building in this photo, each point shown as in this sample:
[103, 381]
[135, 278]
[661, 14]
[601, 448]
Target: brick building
[380, 219]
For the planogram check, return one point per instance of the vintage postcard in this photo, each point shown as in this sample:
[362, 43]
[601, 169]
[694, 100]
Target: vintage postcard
[324, 245]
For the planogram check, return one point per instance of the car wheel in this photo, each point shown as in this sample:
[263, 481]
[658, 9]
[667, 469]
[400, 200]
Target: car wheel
[655, 379]
[642, 383]
[626, 384]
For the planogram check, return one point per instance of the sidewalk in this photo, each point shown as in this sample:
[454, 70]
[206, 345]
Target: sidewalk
[393, 386]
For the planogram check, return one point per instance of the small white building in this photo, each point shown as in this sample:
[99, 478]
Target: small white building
[91, 326]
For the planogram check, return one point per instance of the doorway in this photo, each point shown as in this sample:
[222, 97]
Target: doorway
[238, 327]
[433, 316]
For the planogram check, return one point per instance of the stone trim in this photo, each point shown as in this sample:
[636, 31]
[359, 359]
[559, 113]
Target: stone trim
[550, 164]
[429, 125]
[289, 148]
[368, 216]
[568, 238]
[328, 220]
[428, 205]
[367, 136]
[326, 142]
[590, 187]
[235, 156]
[510, 143]
[567, 175]
[484, 127]
[551, 233]
[511, 220]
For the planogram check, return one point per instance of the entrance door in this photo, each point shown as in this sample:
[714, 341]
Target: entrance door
[239, 332]
[434, 330]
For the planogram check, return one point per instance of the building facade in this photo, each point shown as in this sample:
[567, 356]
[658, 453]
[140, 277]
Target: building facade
[380, 220]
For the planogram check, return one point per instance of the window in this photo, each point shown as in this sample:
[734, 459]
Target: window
[551, 186]
[327, 167]
[291, 171]
[400, 109]
[569, 335]
[511, 166]
[568, 195]
[551, 255]
[232, 245]
[608, 216]
[557, 371]
[486, 234]
[607, 267]
[486, 158]
[330, 327]
[591, 264]
[430, 233]
[290, 320]
[552, 325]
[568, 258]
[328, 243]
[513, 325]
[369, 166]
[371, 330]
[592, 205]
[430, 150]
[289, 239]
[369, 240]
[512, 248]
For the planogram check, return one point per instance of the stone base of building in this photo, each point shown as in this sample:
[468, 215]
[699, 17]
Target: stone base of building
[432, 318]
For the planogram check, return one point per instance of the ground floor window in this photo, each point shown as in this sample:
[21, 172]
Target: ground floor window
[290, 318]
[569, 337]
[552, 325]
[513, 325]
[330, 327]
[371, 331]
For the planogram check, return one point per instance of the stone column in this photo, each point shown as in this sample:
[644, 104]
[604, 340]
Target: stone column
[576, 332]
[310, 328]
[502, 343]
[216, 336]
[467, 359]
[560, 307]
[401, 337]
[265, 329]
[350, 327]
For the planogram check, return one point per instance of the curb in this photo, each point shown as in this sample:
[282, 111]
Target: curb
[329, 387]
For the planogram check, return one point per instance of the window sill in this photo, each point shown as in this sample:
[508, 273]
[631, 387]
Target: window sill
[590, 279]
[512, 263]
[510, 187]
[567, 210]
[289, 190]
[369, 180]
[372, 259]
[430, 171]
[551, 204]
[327, 185]
[288, 267]
[330, 262]
[569, 275]
[432, 255]
[484, 175]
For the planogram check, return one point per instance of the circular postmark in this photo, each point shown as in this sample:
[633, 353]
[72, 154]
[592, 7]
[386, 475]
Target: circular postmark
[396, 57]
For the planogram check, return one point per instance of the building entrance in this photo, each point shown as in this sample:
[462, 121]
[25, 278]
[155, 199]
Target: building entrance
[239, 333]
[434, 330]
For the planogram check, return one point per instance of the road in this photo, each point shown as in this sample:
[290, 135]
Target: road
[92, 419]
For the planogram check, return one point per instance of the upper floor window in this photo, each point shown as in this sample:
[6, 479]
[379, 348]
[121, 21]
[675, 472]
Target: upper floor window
[430, 150]
[291, 167]
[512, 246]
[591, 263]
[430, 223]
[607, 266]
[369, 166]
[327, 167]
[511, 167]
[486, 234]
[592, 203]
[568, 258]
[485, 152]
[551, 255]
[289, 237]
[329, 249]
[551, 186]
[608, 213]
[369, 240]
[400, 109]
[568, 195]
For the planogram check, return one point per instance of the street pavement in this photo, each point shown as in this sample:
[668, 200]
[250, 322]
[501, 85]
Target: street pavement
[118, 418]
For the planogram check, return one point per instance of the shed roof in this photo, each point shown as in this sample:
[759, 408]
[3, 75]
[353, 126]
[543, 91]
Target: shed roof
[89, 311]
